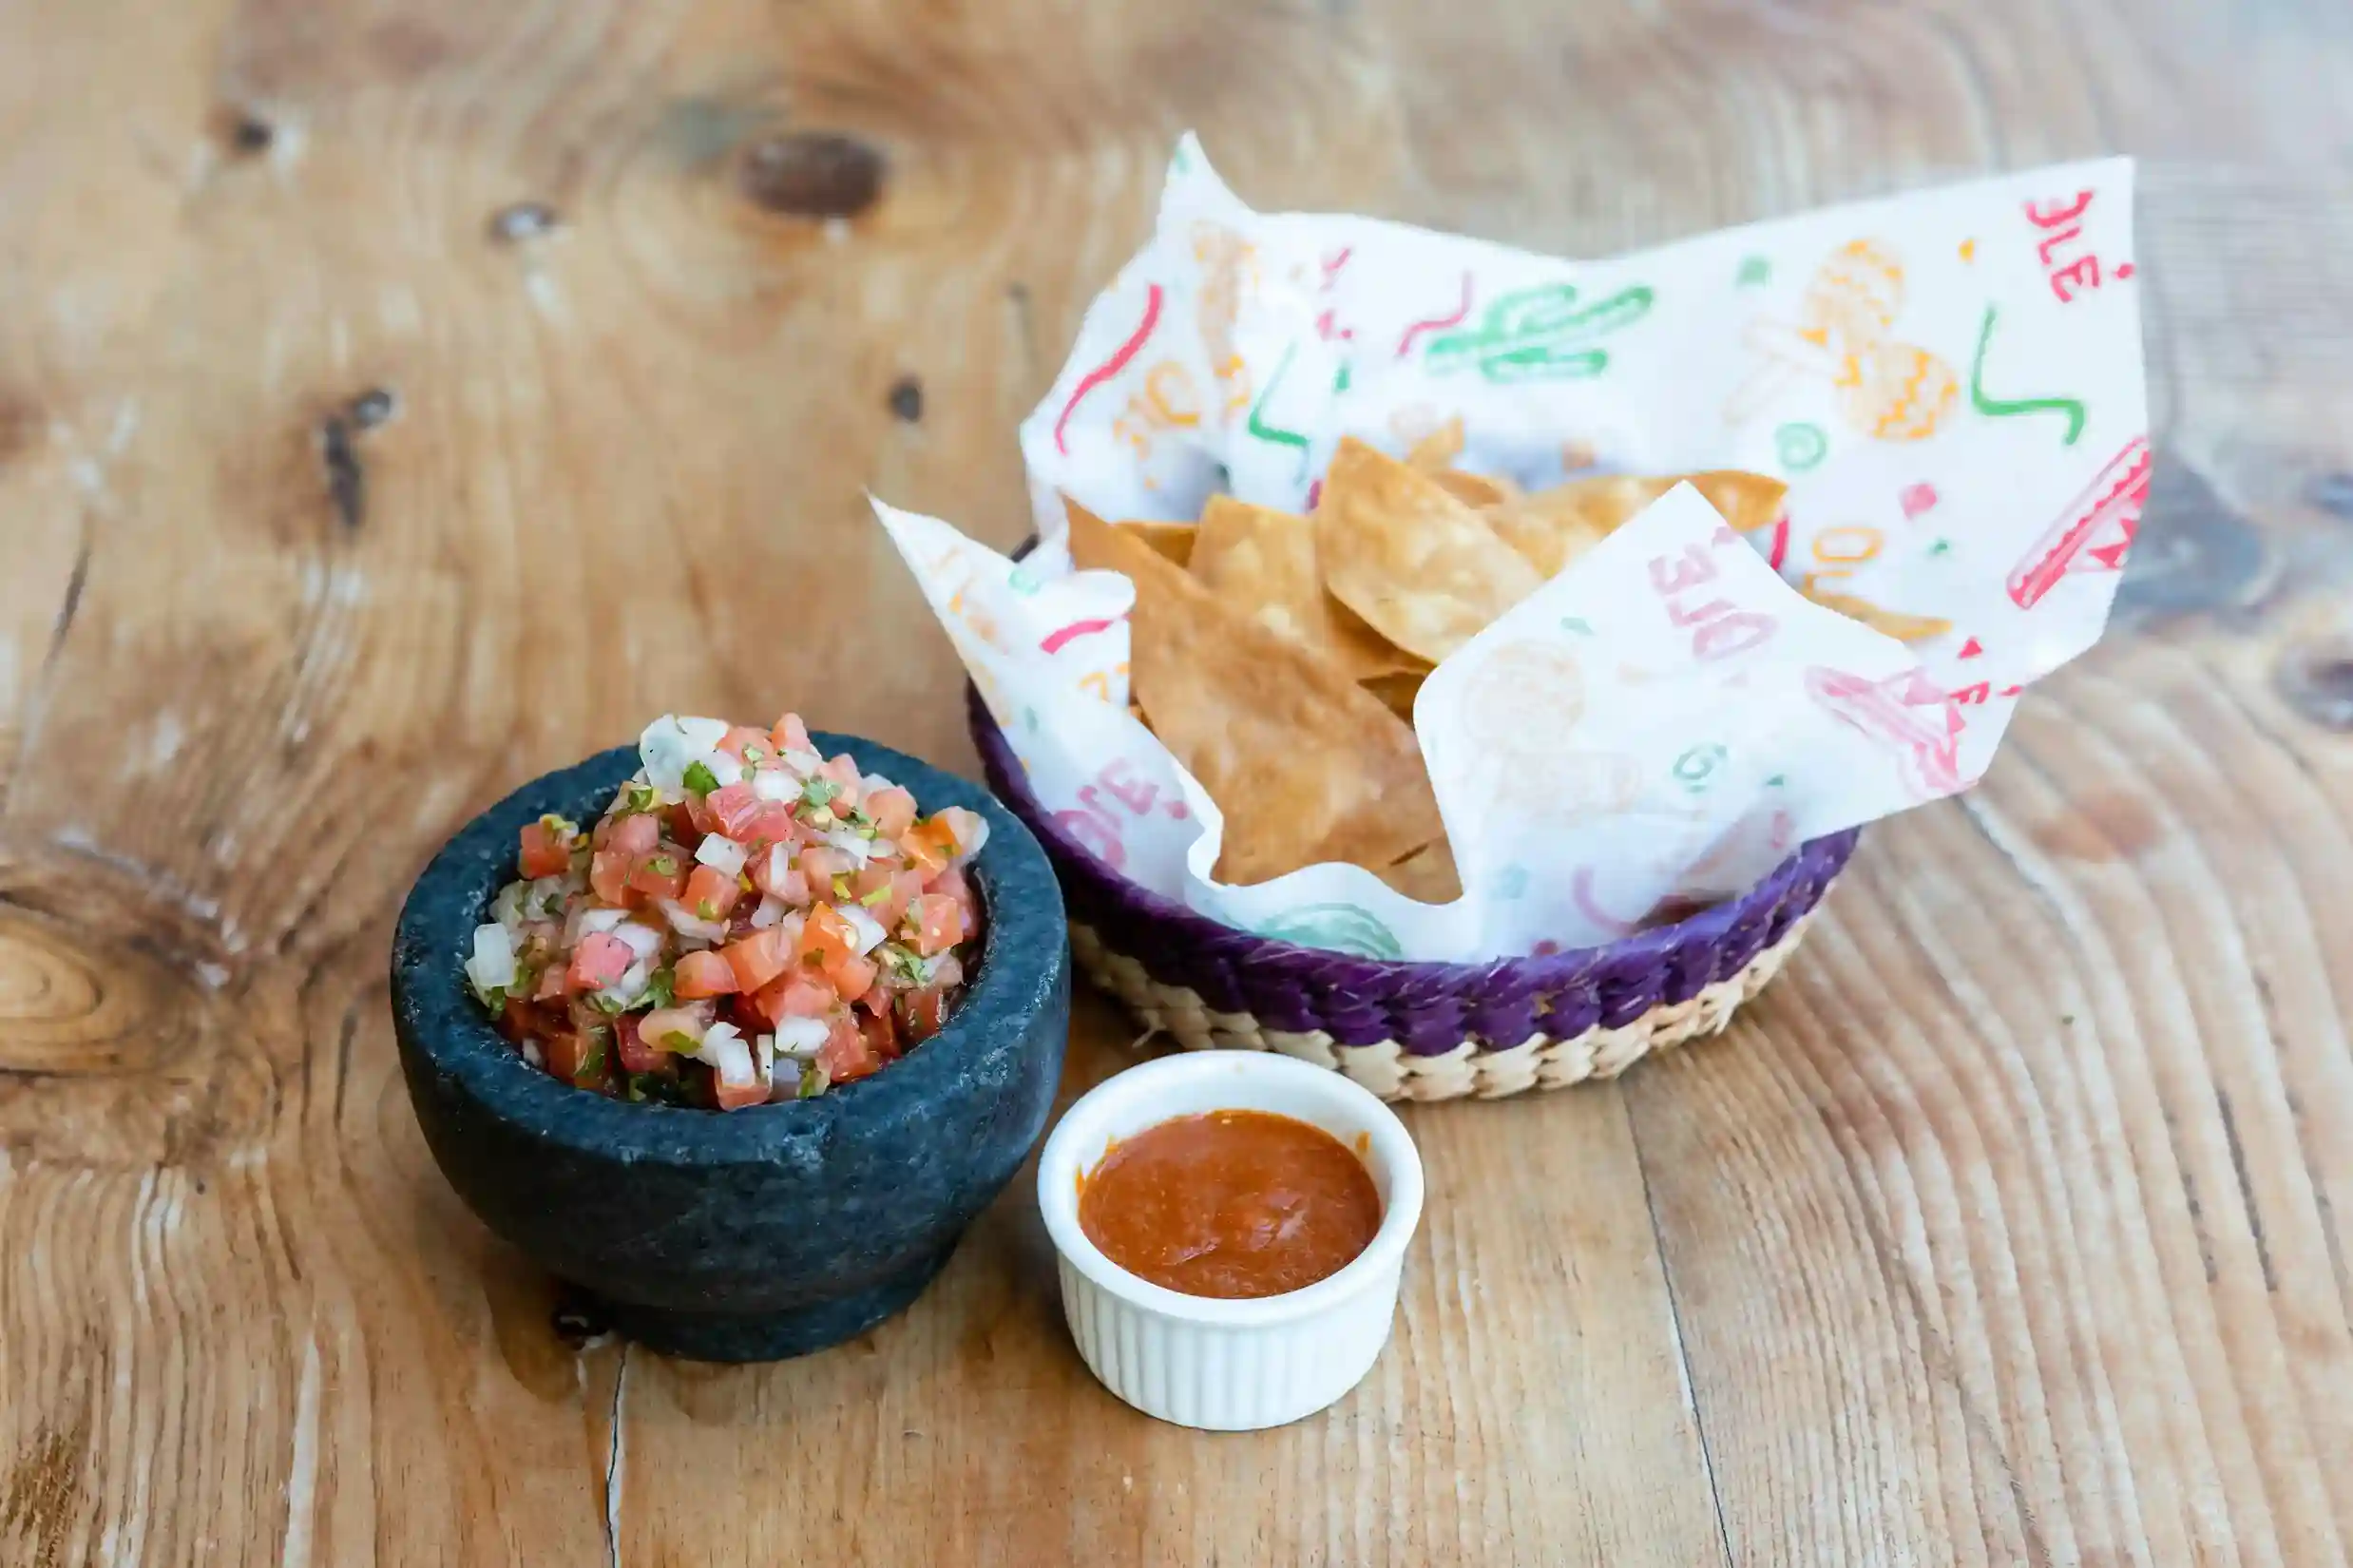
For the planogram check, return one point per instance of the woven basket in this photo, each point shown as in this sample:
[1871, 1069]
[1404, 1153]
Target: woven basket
[1418, 1031]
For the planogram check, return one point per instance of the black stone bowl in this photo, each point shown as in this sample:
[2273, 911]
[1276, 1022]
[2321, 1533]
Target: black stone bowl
[752, 1235]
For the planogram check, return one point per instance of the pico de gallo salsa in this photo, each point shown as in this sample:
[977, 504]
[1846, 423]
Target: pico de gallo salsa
[748, 922]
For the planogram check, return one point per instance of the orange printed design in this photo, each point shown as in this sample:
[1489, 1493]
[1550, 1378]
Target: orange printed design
[1229, 266]
[1886, 390]
[1164, 400]
[1519, 711]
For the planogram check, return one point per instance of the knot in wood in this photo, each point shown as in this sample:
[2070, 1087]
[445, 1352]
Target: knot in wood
[813, 174]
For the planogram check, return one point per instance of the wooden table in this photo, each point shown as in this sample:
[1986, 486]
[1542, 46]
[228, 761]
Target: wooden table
[397, 400]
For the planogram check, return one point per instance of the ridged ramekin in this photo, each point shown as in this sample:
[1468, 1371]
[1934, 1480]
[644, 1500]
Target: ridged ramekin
[1230, 1366]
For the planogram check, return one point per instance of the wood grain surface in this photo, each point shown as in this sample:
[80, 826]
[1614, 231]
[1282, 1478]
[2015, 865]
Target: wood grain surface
[397, 400]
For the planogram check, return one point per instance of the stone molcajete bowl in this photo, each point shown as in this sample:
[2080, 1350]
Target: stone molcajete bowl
[752, 1235]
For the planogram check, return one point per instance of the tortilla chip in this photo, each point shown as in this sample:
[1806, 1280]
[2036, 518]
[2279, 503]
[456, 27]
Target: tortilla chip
[1422, 568]
[1552, 527]
[1307, 765]
[1477, 490]
[1895, 623]
[1428, 875]
[1397, 691]
[1262, 562]
[1435, 452]
[1174, 540]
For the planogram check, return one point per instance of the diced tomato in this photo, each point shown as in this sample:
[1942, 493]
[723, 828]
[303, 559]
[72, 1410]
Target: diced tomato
[658, 1026]
[773, 873]
[847, 1055]
[735, 1096]
[732, 807]
[567, 1054]
[892, 809]
[881, 1032]
[636, 835]
[884, 891]
[742, 736]
[757, 959]
[929, 846]
[703, 974]
[608, 876]
[926, 1010]
[686, 822]
[952, 883]
[774, 823]
[843, 773]
[821, 863]
[827, 938]
[545, 854]
[796, 993]
[660, 875]
[965, 824]
[551, 984]
[630, 1047]
[601, 958]
[851, 977]
[711, 893]
[938, 921]
[791, 735]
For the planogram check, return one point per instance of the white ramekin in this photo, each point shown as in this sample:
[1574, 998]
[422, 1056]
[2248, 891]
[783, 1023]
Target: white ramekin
[1230, 1366]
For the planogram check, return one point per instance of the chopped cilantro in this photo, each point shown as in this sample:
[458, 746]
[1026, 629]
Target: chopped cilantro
[707, 910]
[701, 779]
[819, 793]
[605, 1004]
[875, 897]
[901, 964]
[658, 988]
[558, 826]
[637, 798]
[680, 1042]
[841, 886]
[662, 865]
[591, 1061]
[494, 996]
[813, 1081]
[743, 880]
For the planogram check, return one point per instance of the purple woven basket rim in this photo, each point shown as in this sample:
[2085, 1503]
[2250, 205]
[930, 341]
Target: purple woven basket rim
[1815, 862]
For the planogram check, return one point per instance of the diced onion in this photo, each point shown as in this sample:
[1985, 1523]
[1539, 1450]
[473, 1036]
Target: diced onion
[870, 931]
[632, 983]
[967, 847]
[643, 941]
[800, 1038]
[803, 763]
[724, 1048]
[768, 912]
[546, 897]
[602, 920]
[869, 783]
[709, 932]
[724, 768]
[852, 842]
[704, 734]
[721, 854]
[507, 909]
[493, 968]
[775, 784]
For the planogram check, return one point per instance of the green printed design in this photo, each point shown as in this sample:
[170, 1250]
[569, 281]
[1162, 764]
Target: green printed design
[2001, 408]
[1753, 271]
[1276, 435]
[1338, 928]
[1801, 446]
[1538, 333]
